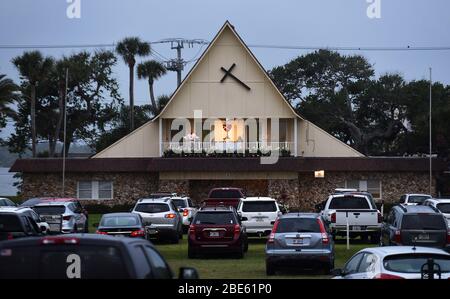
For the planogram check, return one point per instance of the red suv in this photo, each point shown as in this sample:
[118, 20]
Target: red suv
[225, 197]
[217, 230]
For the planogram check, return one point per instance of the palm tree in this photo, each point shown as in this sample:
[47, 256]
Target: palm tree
[151, 70]
[33, 68]
[8, 94]
[129, 48]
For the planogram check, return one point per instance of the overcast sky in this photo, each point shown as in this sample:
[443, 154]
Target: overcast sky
[417, 23]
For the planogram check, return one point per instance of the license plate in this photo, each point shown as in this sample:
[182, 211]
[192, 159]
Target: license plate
[424, 237]
[259, 219]
[297, 241]
[214, 234]
[356, 227]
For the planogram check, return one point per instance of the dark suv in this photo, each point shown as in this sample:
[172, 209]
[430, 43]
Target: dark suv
[415, 225]
[85, 256]
[17, 225]
[217, 230]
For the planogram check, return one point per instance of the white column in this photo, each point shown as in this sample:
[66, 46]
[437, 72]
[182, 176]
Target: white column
[160, 138]
[295, 137]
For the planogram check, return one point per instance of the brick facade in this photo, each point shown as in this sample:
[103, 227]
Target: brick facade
[302, 193]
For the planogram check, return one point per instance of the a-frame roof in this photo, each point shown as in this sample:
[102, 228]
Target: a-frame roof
[226, 25]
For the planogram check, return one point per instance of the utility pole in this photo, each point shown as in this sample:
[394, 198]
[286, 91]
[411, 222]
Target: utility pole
[64, 133]
[430, 141]
[177, 64]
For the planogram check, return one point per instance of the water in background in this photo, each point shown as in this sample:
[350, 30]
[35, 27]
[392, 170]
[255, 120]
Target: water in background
[6, 182]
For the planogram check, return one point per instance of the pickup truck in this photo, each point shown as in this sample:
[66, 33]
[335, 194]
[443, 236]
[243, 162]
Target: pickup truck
[224, 197]
[358, 210]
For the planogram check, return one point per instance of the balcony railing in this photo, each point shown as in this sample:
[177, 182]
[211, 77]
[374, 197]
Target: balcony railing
[207, 148]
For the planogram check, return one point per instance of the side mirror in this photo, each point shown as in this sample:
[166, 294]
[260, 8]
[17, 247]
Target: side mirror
[244, 219]
[188, 273]
[337, 272]
[95, 224]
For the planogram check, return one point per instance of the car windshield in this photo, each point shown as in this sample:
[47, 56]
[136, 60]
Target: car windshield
[112, 221]
[152, 207]
[298, 225]
[419, 199]
[259, 206]
[349, 202]
[444, 207]
[225, 194]
[215, 218]
[412, 263]
[424, 221]
[97, 261]
[10, 223]
[179, 203]
[50, 210]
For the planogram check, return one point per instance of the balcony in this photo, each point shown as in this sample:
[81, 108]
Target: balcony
[226, 149]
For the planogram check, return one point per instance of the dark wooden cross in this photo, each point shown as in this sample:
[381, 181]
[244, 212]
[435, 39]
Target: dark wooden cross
[228, 73]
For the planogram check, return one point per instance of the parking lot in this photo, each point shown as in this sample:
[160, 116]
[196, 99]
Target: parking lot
[252, 266]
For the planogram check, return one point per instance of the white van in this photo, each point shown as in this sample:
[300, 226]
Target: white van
[258, 214]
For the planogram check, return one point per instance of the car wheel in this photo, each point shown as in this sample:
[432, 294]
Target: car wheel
[175, 238]
[75, 229]
[191, 253]
[270, 269]
[375, 238]
[246, 245]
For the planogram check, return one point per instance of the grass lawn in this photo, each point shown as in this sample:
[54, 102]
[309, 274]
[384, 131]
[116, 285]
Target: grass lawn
[252, 266]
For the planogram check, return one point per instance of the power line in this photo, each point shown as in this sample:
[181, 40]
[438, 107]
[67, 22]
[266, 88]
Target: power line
[264, 46]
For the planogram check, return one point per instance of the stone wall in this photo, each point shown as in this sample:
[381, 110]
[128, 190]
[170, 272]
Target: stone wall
[127, 187]
[302, 193]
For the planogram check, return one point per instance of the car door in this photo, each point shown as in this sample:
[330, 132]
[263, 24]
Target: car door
[160, 269]
[351, 268]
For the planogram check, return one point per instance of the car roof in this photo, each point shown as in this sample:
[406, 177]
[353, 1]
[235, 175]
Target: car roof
[347, 194]
[226, 188]
[391, 250]
[123, 214]
[157, 200]
[87, 239]
[14, 209]
[417, 209]
[417, 194]
[216, 209]
[53, 203]
[299, 215]
[258, 199]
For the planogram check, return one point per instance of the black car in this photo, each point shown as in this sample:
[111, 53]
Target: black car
[85, 256]
[415, 225]
[17, 225]
[122, 224]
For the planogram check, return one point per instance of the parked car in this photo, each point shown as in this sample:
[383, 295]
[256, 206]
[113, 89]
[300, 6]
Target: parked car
[161, 218]
[299, 239]
[393, 262]
[415, 225]
[358, 210]
[162, 194]
[37, 200]
[16, 225]
[258, 214]
[42, 225]
[224, 196]
[186, 208]
[65, 216]
[443, 205]
[413, 199]
[122, 225]
[217, 230]
[99, 257]
[5, 202]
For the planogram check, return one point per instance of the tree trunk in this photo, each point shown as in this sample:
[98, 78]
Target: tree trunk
[62, 95]
[33, 120]
[131, 97]
[152, 96]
